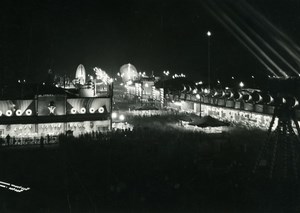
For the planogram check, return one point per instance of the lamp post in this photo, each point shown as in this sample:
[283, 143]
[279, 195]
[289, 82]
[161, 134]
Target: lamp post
[253, 79]
[208, 57]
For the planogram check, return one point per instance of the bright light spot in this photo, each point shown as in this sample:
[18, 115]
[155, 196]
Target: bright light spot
[195, 91]
[73, 110]
[8, 113]
[82, 110]
[114, 115]
[226, 87]
[28, 112]
[283, 100]
[101, 110]
[122, 117]
[166, 73]
[18, 112]
[232, 78]
[252, 76]
[218, 82]
[241, 84]
[296, 103]
[208, 33]
[91, 110]
[198, 96]
[129, 82]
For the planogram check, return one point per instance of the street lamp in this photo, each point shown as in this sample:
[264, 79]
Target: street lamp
[208, 57]
[241, 84]
[253, 79]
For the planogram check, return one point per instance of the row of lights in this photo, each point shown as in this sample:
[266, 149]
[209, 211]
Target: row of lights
[178, 76]
[13, 187]
[9, 112]
[83, 110]
[247, 97]
[28, 112]
[241, 84]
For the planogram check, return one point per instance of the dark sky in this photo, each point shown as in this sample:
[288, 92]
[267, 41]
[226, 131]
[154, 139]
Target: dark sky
[153, 35]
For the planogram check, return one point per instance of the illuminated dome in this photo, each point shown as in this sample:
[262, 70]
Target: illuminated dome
[128, 72]
[80, 74]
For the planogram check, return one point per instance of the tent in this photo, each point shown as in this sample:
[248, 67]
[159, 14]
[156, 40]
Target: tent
[208, 121]
[187, 117]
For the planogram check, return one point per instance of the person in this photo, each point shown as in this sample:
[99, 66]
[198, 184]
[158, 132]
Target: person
[8, 139]
[48, 138]
[42, 142]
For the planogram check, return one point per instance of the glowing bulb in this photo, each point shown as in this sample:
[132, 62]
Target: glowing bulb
[73, 110]
[122, 117]
[101, 110]
[114, 115]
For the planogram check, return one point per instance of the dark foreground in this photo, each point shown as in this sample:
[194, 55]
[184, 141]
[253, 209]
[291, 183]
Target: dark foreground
[144, 171]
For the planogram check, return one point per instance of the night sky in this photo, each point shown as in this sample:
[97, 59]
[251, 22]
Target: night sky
[153, 35]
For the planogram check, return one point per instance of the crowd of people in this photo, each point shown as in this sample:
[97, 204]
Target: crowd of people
[19, 141]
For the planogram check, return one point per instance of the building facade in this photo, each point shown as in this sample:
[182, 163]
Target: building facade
[49, 114]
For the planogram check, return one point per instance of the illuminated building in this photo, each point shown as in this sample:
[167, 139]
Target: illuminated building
[50, 110]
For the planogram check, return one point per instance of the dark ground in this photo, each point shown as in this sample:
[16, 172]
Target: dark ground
[148, 170]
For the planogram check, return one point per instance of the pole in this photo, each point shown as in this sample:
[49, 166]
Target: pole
[208, 58]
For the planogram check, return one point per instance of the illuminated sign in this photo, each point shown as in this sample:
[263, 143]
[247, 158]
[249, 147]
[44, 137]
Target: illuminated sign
[51, 109]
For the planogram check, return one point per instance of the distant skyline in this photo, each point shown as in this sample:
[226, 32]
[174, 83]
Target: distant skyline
[152, 35]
